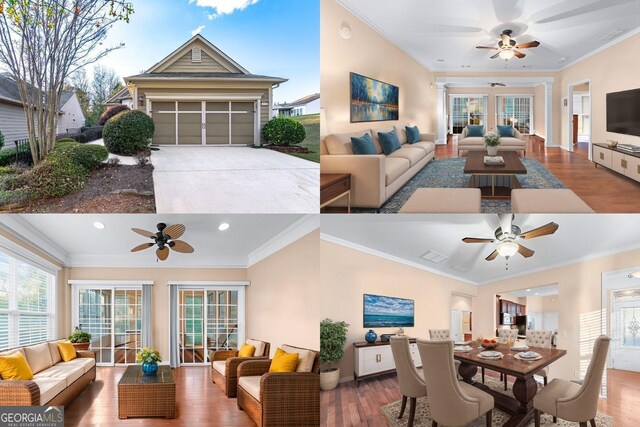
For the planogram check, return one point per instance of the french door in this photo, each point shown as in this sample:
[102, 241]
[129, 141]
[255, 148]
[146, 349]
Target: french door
[516, 111]
[113, 316]
[625, 330]
[466, 110]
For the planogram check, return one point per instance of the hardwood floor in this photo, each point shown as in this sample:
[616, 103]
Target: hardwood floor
[602, 189]
[350, 405]
[199, 402]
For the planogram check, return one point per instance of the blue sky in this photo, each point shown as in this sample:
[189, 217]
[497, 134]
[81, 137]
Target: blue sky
[271, 37]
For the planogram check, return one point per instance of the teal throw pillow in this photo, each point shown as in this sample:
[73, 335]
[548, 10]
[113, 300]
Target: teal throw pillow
[413, 134]
[475, 130]
[505, 131]
[389, 141]
[363, 145]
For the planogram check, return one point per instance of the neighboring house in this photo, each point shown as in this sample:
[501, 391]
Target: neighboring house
[71, 117]
[123, 96]
[199, 96]
[13, 123]
[309, 104]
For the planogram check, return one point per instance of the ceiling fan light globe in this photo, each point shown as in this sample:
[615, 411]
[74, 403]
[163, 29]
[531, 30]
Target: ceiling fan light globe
[507, 249]
[506, 54]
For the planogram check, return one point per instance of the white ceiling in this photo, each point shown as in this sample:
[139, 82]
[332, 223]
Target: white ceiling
[432, 30]
[405, 238]
[74, 238]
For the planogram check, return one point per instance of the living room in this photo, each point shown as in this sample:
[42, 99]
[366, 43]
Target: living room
[571, 285]
[186, 293]
[489, 64]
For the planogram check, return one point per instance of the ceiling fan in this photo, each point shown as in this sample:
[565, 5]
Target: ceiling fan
[165, 238]
[507, 47]
[496, 84]
[508, 235]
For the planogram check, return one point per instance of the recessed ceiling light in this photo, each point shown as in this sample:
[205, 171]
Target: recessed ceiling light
[537, 293]
[562, 59]
[224, 226]
[98, 225]
[528, 290]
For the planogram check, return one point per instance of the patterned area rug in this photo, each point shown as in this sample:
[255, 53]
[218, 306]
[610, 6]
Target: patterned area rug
[447, 173]
[423, 416]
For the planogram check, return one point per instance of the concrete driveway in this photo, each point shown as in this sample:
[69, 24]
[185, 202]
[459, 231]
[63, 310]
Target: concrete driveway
[233, 180]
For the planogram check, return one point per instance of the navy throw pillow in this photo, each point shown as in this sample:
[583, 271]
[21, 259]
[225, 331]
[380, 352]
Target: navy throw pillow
[363, 145]
[389, 141]
[413, 134]
[475, 130]
[505, 131]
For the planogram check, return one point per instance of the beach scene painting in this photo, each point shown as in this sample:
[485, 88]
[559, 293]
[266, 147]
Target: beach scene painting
[382, 312]
[373, 100]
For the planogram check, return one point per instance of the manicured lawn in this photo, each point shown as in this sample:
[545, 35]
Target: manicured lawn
[311, 125]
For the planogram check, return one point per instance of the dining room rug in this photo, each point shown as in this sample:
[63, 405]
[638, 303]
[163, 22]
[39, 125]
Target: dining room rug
[423, 416]
[448, 173]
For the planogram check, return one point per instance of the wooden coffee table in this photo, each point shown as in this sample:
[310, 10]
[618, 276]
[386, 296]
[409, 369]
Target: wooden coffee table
[495, 182]
[147, 396]
[334, 186]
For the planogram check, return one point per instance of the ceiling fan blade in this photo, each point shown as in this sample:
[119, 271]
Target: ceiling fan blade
[163, 253]
[487, 47]
[142, 247]
[144, 233]
[495, 56]
[540, 231]
[528, 45]
[174, 231]
[180, 246]
[519, 54]
[492, 256]
[477, 240]
[525, 252]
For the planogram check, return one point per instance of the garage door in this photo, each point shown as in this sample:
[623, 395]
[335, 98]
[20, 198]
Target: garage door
[204, 123]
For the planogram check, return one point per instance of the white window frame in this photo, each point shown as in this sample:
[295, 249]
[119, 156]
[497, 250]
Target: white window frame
[531, 108]
[485, 104]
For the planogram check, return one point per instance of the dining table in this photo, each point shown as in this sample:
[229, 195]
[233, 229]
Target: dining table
[520, 405]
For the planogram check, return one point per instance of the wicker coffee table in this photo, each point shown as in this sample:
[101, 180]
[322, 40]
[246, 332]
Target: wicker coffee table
[145, 396]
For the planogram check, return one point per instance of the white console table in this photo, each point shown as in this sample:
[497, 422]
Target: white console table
[377, 359]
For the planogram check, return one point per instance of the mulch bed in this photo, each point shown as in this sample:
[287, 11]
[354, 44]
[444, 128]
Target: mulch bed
[110, 189]
[292, 149]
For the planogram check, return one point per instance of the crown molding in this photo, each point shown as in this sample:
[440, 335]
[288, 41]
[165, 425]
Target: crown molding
[296, 231]
[128, 260]
[21, 229]
[602, 48]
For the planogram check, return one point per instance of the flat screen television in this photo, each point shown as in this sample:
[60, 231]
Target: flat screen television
[623, 112]
[387, 312]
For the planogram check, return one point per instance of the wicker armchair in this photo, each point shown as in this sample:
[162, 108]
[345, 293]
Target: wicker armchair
[228, 380]
[285, 399]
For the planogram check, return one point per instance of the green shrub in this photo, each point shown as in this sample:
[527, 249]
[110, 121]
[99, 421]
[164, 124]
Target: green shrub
[128, 132]
[66, 140]
[1, 140]
[283, 131]
[110, 112]
[57, 175]
[87, 156]
[7, 157]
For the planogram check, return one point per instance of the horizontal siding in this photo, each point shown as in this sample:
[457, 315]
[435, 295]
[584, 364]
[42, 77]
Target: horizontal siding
[13, 123]
[207, 65]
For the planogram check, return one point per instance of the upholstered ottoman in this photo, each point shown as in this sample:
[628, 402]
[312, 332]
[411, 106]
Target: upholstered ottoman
[547, 201]
[443, 200]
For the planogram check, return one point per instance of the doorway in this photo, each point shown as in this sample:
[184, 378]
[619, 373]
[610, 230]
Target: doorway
[625, 329]
[461, 318]
[579, 118]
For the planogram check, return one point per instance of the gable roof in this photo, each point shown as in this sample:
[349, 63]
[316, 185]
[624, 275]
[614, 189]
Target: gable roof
[65, 97]
[119, 96]
[9, 89]
[208, 76]
[302, 101]
[231, 65]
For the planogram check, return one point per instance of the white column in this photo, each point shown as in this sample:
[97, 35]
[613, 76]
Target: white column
[548, 114]
[441, 137]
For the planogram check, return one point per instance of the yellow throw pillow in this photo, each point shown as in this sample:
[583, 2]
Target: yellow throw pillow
[67, 351]
[283, 361]
[247, 350]
[15, 367]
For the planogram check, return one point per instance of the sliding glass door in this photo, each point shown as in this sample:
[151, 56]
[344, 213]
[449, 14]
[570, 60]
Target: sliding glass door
[466, 110]
[516, 111]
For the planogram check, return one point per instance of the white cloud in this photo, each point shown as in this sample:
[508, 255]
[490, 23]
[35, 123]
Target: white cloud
[223, 7]
[197, 30]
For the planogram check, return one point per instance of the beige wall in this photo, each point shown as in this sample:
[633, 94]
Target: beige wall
[369, 54]
[580, 320]
[283, 301]
[160, 277]
[535, 304]
[551, 303]
[346, 274]
[612, 70]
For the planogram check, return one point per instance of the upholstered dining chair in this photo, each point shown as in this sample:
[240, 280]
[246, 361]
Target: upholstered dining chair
[540, 339]
[504, 336]
[445, 335]
[574, 402]
[411, 381]
[452, 402]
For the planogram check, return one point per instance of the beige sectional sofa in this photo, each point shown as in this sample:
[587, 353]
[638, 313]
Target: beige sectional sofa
[476, 143]
[376, 177]
[54, 382]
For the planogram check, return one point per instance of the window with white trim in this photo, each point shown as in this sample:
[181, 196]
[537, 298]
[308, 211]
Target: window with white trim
[27, 303]
[516, 111]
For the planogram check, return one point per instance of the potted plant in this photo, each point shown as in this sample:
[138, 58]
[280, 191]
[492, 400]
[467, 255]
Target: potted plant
[492, 141]
[81, 340]
[333, 336]
[148, 358]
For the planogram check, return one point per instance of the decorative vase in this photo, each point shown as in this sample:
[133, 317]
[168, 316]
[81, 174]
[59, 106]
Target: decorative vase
[370, 336]
[492, 151]
[81, 345]
[329, 379]
[149, 368]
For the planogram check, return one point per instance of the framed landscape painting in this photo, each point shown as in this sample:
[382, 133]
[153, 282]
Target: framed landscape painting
[373, 100]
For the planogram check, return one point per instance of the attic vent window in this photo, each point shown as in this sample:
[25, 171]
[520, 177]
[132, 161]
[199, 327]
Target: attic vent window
[196, 54]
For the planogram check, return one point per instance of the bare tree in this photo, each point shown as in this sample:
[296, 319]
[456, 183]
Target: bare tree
[42, 42]
[105, 81]
[80, 83]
